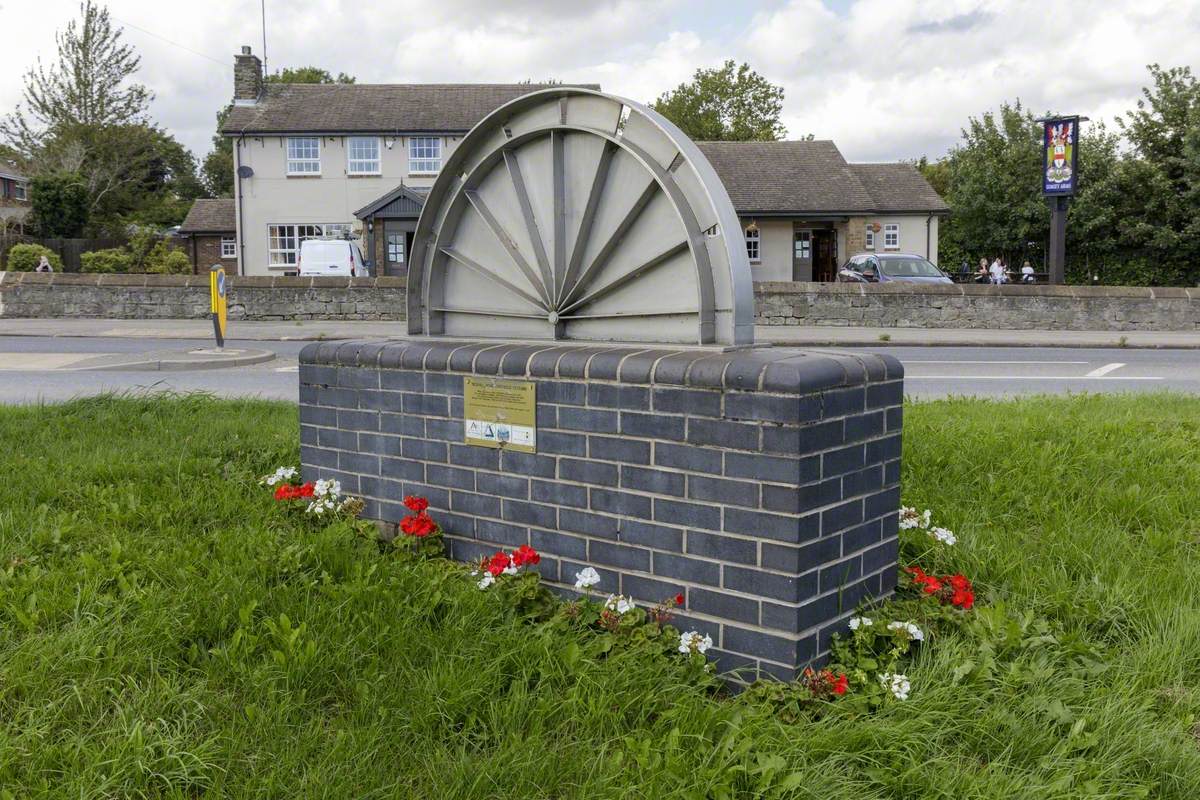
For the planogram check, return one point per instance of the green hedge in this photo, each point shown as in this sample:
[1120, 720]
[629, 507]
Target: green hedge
[25, 257]
[114, 259]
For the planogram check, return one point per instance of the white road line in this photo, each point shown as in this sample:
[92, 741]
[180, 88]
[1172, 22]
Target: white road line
[1030, 378]
[287, 369]
[1102, 371]
[916, 361]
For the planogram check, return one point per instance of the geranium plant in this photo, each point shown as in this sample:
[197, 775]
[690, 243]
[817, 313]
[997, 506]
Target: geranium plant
[420, 534]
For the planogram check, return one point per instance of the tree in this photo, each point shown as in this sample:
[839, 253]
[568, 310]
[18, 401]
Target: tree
[89, 86]
[732, 103]
[59, 205]
[217, 169]
[308, 75]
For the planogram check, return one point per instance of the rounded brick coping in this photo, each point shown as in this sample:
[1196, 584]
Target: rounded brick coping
[781, 370]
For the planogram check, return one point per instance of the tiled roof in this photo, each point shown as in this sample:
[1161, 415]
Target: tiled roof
[898, 187]
[374, 108]
[209, 216]
[812, 177]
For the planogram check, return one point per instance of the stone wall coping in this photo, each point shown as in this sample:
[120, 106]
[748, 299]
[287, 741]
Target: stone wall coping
[778, 370]
[762, 288]
[191, 281]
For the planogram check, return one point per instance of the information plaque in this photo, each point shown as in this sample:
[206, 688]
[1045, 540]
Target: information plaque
[500, 413]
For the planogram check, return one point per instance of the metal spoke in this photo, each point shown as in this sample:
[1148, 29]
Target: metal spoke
[535, 236]
[617, 283]
[478, 268]
[599, 179]
[618, 314]
[614, 239]
[510, 246]
[560, 208]
[488, 312]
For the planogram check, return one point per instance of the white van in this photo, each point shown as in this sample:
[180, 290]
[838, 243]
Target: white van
[338, 257]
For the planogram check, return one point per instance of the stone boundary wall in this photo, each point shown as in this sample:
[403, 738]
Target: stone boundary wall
[48, 295]
[910, 305]
[761, 484]
[897, 305]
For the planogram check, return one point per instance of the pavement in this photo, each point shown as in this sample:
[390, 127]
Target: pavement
[50, 360]
[793, 336]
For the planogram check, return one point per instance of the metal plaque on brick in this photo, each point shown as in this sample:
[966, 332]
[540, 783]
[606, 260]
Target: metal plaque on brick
[500, 413]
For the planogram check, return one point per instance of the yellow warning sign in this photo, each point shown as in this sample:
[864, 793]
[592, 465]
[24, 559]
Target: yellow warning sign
[500, 413]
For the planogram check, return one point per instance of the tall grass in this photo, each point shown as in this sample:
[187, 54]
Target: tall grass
[164, 632]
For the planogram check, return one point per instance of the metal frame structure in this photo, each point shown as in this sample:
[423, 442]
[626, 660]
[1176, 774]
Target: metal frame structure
[573, 214]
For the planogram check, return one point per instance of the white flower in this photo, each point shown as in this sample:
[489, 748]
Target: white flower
[511, 569]
[586, 578]
[327, 488]
[943, 535]
[860, 622]
[619, 603]
[487, 580]
[914, 633]
[897, 684]
[693, 642]
[280, 475]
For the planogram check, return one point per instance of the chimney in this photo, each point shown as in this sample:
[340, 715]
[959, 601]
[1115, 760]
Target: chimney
[247, 78]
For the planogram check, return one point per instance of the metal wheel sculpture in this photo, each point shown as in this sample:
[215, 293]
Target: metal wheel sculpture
[572, 214]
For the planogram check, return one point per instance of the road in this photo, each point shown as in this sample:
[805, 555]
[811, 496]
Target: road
[28, 374]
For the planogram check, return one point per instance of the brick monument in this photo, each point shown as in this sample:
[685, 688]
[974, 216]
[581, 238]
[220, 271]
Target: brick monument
[581, 377]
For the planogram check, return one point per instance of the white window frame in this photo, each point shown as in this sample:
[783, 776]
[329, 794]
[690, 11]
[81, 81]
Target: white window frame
[228, 247]
[394, 243]
[303, 162]
[284, 239]
[424, 161]
[753, 245]
[361, 163]
[869, 239]
[891, 236]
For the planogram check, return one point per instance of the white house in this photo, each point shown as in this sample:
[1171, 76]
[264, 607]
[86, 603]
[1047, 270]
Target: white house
[333, 159]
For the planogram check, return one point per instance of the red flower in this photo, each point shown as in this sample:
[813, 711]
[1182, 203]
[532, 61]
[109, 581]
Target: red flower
[678, 599]
[284, 491]
[525, 555]
[417, 504]
[499, 563]
[418, 525]
[841, 684]
[305, 491]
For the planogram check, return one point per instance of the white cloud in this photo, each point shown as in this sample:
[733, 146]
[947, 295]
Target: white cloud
[885, 79]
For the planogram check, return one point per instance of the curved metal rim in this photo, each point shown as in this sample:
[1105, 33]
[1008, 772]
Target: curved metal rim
[450, 187]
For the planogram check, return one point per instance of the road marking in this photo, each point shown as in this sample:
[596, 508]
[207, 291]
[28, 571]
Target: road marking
[1102, 371]
[1031, 378]
[288, 369]
[915, 361]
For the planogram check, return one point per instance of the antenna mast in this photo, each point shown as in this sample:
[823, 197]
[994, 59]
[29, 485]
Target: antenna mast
[264, 32]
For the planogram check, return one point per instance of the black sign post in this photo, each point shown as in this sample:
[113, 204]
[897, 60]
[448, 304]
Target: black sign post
[1060, 179]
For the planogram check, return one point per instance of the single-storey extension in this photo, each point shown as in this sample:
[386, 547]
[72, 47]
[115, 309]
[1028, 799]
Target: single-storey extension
[14, 197]
[209, 234]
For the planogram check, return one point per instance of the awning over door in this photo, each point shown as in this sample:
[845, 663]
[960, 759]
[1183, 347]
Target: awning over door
[403, 202]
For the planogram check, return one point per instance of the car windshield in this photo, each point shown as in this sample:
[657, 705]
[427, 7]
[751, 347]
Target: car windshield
[908, 267]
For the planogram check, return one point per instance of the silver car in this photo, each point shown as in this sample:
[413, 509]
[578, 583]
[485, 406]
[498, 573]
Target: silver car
[889, 267]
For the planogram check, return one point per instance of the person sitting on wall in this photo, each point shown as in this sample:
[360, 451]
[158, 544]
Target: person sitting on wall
[981, 274]
[44, 265]
[1027, 275]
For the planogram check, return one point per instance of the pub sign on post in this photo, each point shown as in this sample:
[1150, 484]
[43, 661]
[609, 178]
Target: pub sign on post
[1060, 155]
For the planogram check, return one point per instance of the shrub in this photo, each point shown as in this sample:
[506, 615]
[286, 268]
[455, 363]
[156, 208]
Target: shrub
[25, 257]
[166, 260]
[114, 259]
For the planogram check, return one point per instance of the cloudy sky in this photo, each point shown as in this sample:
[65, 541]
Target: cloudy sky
[885, 79]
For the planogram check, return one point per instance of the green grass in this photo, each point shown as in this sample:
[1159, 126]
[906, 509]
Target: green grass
[165, 632]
